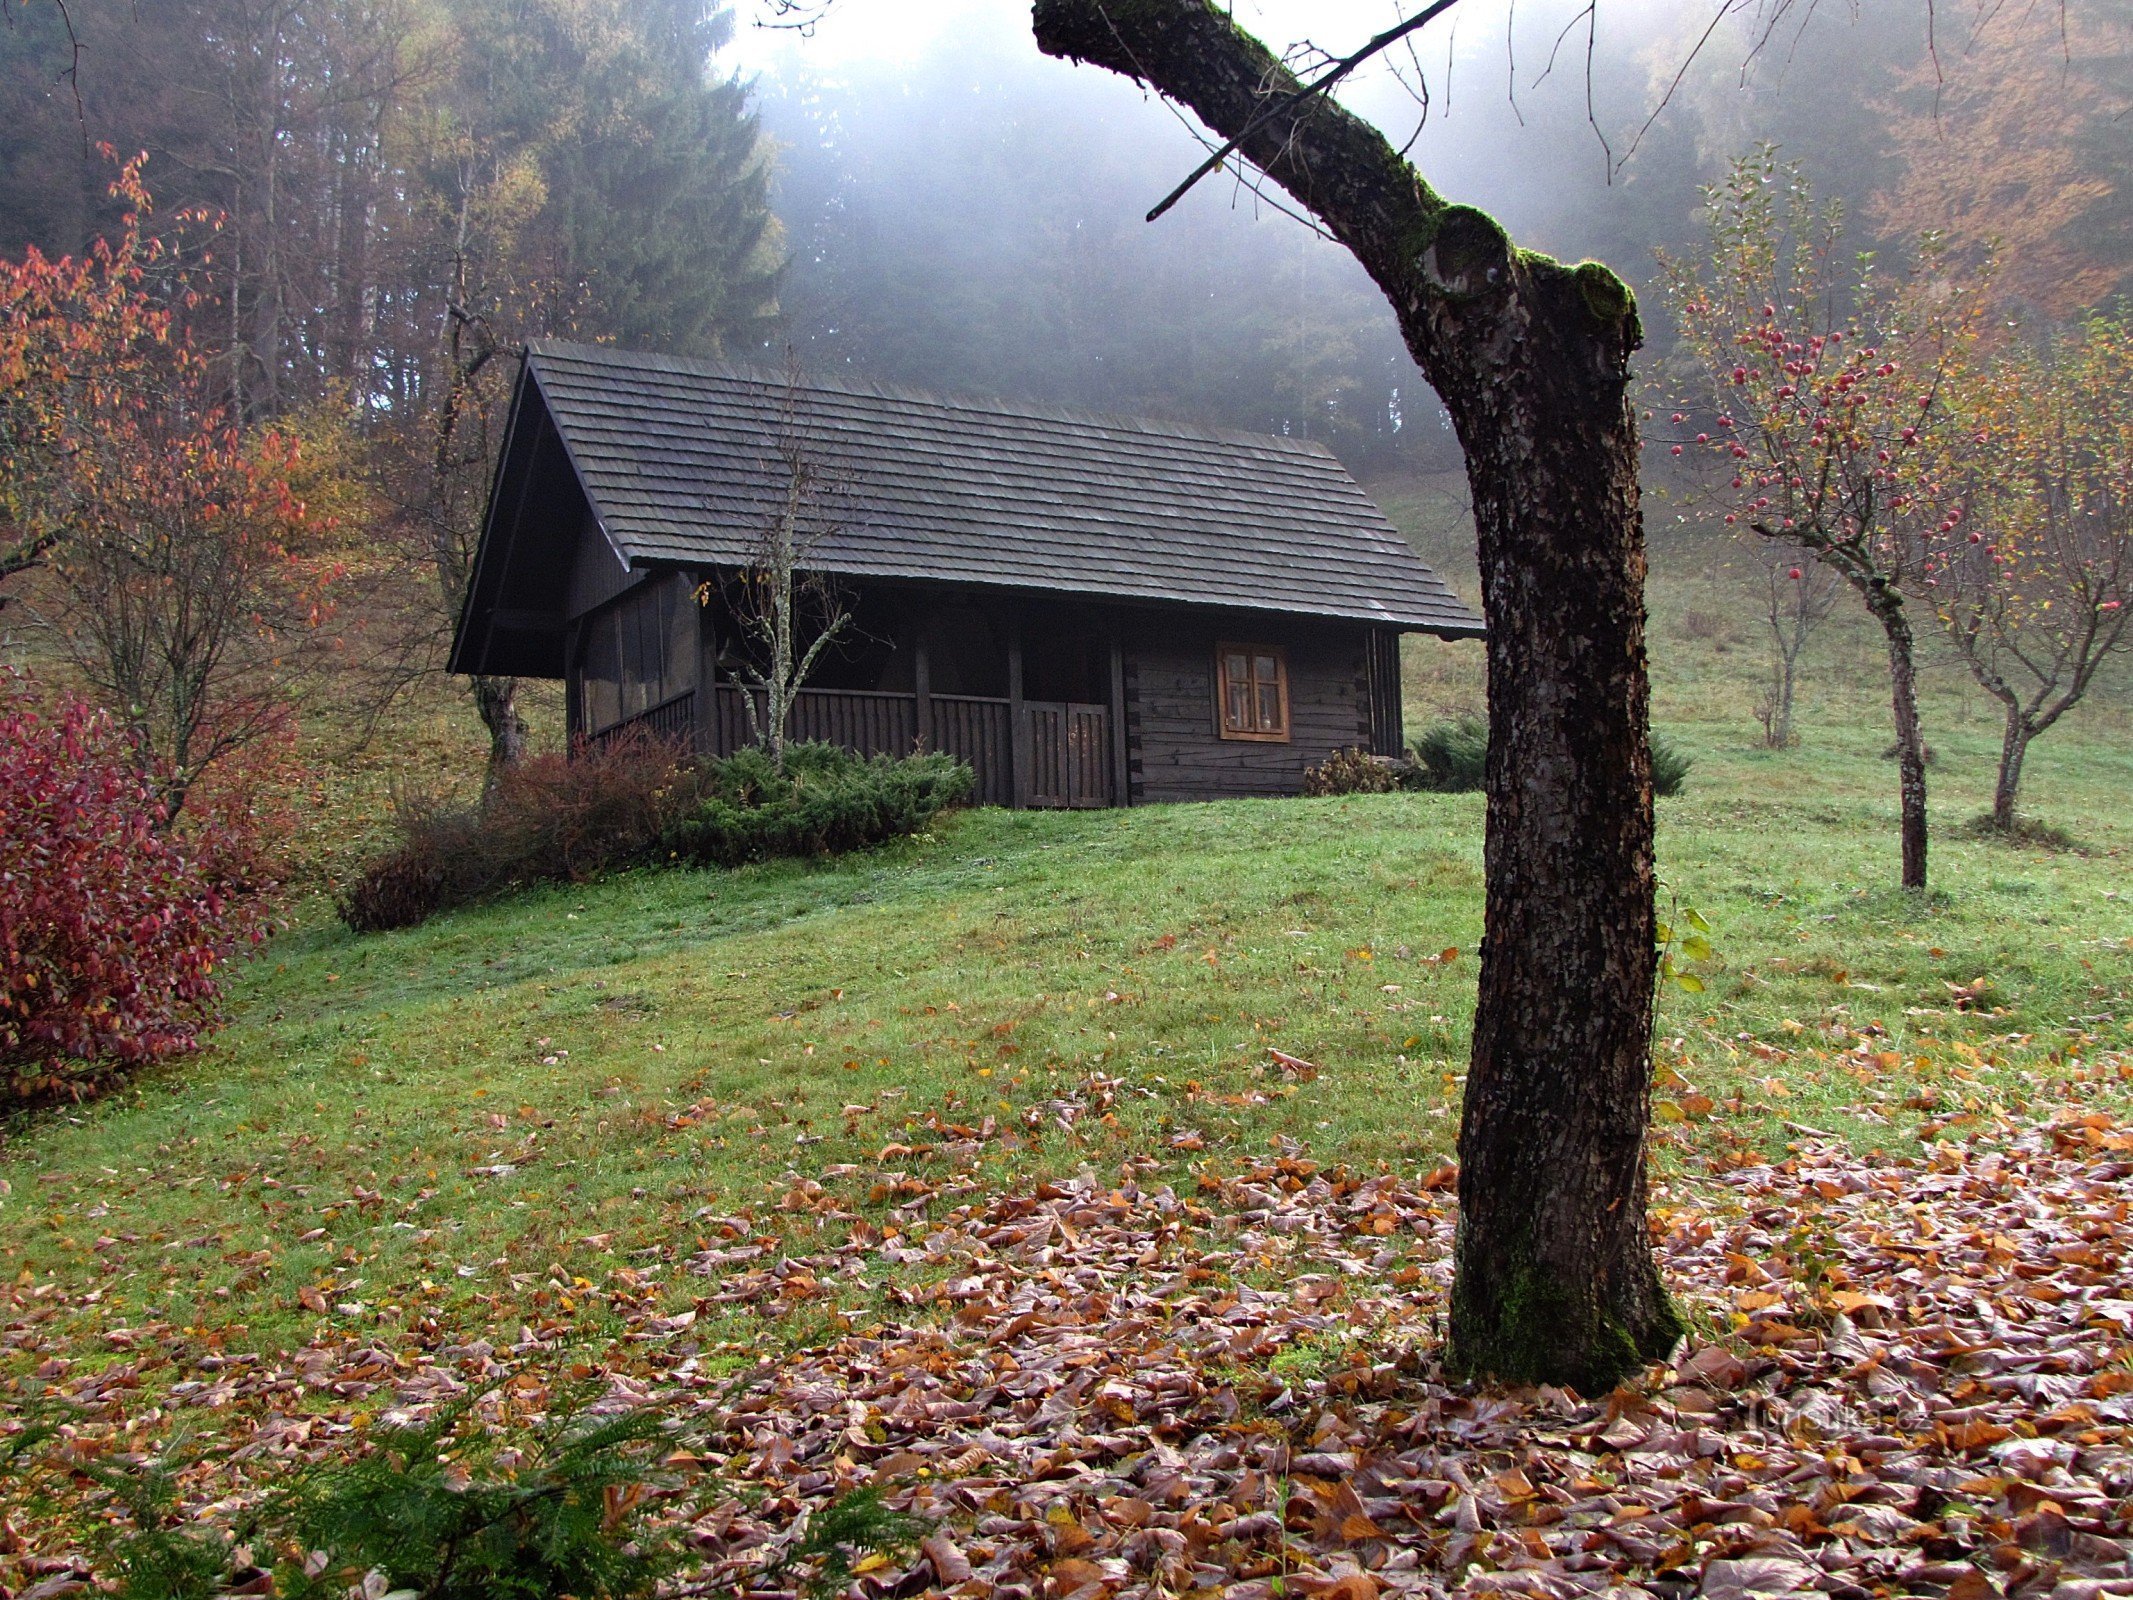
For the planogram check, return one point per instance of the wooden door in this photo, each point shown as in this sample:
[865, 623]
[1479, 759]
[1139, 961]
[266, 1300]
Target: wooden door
[1069, 754]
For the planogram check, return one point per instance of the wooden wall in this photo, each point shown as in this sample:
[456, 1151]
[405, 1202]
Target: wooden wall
[1343, 691]
[1174, 750]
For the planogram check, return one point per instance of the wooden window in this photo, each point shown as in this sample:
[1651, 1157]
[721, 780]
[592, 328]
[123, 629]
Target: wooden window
[1252, 692]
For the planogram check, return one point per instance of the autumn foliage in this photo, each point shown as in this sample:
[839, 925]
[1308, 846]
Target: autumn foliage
[1821, 386]
[113, 928]
[80, 338]
[2031, 570]
[175, 562]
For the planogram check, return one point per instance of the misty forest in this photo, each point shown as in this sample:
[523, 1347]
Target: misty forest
[1082, 800]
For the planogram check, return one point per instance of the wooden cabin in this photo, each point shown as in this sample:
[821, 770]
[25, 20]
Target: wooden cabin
[1090, 610]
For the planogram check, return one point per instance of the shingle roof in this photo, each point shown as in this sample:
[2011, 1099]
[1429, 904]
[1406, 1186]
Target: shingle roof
[679, 459]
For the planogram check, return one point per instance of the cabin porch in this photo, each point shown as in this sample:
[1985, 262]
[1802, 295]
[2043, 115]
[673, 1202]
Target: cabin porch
[1026, 698]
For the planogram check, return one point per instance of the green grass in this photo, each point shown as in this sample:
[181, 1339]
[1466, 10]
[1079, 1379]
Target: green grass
[455, 1124]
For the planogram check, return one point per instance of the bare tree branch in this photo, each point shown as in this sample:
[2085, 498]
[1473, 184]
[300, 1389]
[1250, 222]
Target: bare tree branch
[73, 73]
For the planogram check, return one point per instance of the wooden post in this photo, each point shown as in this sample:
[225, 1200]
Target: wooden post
[1018, 745]
[706, 676]
[1121, 781]
[922, 692]
[573, 687]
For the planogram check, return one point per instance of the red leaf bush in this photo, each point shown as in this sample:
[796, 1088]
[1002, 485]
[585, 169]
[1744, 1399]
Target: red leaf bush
[111, 930]
[547, 819]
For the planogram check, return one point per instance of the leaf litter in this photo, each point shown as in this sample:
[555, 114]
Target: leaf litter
[1912, 1376]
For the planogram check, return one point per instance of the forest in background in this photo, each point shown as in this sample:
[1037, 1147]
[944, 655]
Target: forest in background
[364, 208]
[397, 175]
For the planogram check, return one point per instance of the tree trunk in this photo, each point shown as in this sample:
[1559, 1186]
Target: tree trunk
[1555, 1279]
[1554, 1275]
[2014, 746]
[497, 701]
[1887, 606]
[1781, 734]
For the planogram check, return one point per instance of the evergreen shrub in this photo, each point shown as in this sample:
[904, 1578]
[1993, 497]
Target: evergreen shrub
[637, 802]
[1452, 756]
[1670, 765]
[824, 801]
[432, 1512]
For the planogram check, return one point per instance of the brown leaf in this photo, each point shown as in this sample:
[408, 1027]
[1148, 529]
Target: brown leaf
[1714, 1367]
[950, 1565]
[1757, 1575]
[1071, 1576]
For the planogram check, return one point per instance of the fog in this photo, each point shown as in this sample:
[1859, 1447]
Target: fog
[966, 215]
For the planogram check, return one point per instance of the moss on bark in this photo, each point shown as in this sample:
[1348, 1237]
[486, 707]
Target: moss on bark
[1548, 1328]
[1609, 298]
[1468, 255]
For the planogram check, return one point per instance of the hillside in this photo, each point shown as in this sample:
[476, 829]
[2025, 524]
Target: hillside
[593, 1121]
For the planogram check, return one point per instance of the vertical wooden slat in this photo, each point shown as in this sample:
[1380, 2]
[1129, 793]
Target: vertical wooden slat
[1384, 712]
[707, 731]
[1121, 787]
[1018, 757]
[573, 687]
[922, 695]
[672, 719]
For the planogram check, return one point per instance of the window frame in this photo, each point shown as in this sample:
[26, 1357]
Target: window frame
[1280, 655]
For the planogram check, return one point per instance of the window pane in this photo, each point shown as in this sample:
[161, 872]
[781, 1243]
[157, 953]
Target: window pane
[1269, 707]
[1265, 668]
[1236, 666]
[1236, 710]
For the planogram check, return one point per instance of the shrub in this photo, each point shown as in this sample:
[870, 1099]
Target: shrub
[452, 1508]
[824, 801]
[111, 926]
[852, 1526]
[1670, 765]
[565, 1517]
[1352, 772]
[1452, 756]
[549, 818]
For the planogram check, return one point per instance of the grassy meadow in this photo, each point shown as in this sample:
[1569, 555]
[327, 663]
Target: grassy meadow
[465, 1125]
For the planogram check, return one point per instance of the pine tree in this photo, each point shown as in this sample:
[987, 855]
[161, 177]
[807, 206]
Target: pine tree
[657, 224]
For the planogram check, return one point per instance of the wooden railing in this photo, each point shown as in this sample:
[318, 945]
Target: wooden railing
[973, 728]
[873, 722]
[673, 719]
[976, 729]
[1068, 745]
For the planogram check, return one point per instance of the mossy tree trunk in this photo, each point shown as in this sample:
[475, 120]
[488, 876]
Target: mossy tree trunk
[1555, 1279]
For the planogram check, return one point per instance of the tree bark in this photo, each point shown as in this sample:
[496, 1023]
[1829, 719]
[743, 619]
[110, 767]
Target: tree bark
[497, 701]
[2014, 746]
[1555, 1280]
[1887, 606]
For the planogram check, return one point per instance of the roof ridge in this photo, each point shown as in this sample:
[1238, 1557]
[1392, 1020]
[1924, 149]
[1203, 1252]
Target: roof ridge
[1035, 411]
